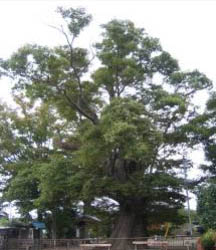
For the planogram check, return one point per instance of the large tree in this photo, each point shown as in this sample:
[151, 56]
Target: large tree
[127, 117]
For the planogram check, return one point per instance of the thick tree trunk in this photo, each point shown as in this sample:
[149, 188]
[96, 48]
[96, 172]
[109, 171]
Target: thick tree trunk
[129, 225]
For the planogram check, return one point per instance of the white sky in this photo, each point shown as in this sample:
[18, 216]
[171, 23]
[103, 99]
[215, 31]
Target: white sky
[186, 29]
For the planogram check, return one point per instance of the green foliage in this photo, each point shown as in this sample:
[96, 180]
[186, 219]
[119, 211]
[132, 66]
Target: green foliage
[76, 19]
[208, 240]
[4, 222]
[38, 175]
[193, 214]
[206, 205]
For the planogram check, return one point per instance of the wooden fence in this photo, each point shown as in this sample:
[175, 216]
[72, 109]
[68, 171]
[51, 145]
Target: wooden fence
[98, 244]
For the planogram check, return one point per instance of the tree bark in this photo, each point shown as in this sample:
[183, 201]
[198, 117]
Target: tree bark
[129, 225]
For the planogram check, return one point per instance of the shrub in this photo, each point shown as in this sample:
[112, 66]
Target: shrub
[208, 240]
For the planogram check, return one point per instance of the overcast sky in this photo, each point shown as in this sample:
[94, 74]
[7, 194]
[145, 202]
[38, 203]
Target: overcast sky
[186, 29]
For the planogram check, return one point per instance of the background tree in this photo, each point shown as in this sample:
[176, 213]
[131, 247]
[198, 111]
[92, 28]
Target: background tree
[206, 205]
[38, 174]
[127, 117]
[202, 130]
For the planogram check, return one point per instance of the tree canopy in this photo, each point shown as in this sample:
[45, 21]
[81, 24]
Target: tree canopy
[117, 131]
